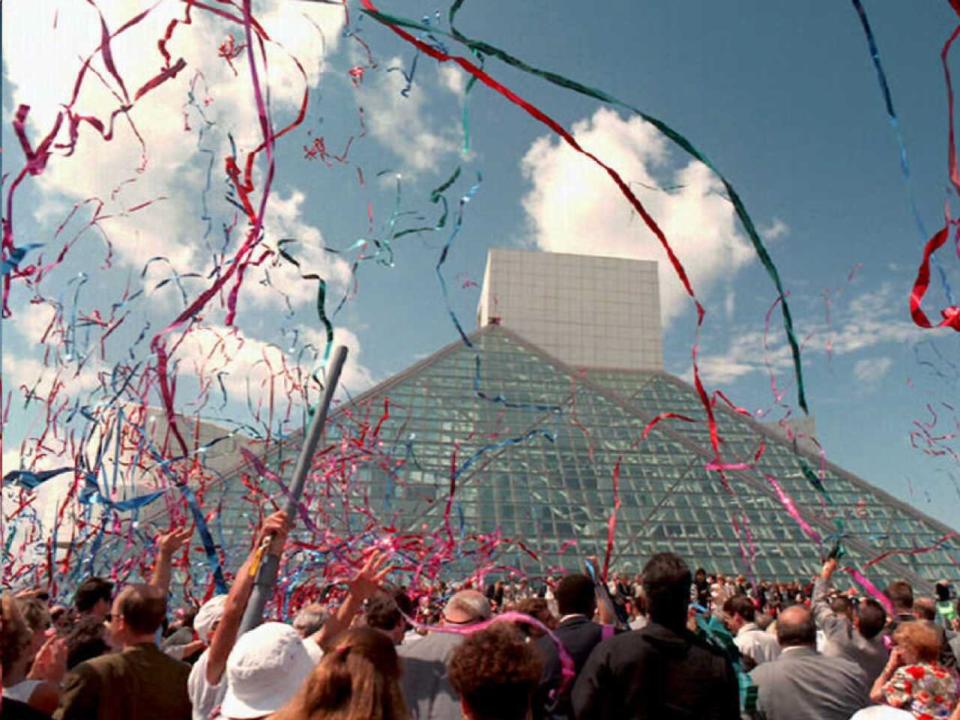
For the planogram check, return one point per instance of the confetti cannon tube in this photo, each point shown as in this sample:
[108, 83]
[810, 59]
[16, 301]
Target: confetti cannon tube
[267, 571]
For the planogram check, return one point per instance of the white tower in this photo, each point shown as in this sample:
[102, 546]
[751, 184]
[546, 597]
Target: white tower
[595, 312]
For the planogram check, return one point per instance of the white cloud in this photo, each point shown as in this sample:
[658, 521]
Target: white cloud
[774, 231]
[452, 78]
[249, 365]
[872, 370]
[866, 322]
[399, 123]
[174, 168]
[285, 221]
[574, 207]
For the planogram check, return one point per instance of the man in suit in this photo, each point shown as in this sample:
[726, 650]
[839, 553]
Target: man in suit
[426, 686]
[576, 602]
[802, 684]
[138, 683]
[662, 671]
[859, 639]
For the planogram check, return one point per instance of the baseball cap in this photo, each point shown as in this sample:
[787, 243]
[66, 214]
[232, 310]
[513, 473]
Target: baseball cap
[208, 616]
[266, 669]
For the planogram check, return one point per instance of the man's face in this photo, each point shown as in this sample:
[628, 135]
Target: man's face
[733, 622]
[116, 630]
[101, 609]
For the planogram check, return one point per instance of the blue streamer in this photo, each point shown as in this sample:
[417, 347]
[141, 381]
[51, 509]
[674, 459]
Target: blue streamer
[895, 124]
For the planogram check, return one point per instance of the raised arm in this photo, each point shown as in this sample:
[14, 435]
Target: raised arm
[225, 636]
[366, 583]
[821, 589]
[167, 546]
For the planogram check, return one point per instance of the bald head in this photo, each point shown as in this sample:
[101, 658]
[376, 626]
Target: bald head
[467, 606]
[796, 628]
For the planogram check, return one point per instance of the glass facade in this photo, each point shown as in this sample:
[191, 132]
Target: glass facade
[537, 447]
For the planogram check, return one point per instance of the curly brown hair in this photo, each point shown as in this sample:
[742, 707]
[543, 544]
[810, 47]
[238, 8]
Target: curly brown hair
[921, 637]
[14, 634]
[495, 672]
[358, 680]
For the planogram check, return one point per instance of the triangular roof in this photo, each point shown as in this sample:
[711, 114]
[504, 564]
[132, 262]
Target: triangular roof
[498, 398]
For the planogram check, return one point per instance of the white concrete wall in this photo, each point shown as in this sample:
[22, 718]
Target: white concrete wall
[587, 311]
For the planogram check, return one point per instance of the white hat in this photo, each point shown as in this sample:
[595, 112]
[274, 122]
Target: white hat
[265, 670]
[208, 616]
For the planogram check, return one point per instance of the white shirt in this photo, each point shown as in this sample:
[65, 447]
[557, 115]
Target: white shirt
[757, 645]
[204, 697]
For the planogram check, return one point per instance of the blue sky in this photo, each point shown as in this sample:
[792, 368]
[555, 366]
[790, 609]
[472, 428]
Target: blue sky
[781, 96]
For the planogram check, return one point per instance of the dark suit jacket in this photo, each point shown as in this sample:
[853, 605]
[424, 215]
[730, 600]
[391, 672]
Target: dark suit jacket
[656, 674]
[579, 635]
[140, 683]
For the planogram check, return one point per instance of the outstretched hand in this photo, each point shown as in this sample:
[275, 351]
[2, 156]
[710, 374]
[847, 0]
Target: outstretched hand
[50, 663]
[367, 581]
[169, 543]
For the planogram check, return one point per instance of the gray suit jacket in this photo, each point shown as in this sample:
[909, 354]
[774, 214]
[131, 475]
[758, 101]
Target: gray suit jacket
[802, 684]
[844, 640]
[424, 680]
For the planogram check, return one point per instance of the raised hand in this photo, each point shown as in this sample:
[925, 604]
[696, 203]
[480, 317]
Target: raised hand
[276, 526]
[829, 567]
[169, 543]
[50, 663]
[368, 579]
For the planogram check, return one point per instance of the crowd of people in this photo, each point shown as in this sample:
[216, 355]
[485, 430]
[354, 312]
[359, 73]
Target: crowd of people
[667, 643]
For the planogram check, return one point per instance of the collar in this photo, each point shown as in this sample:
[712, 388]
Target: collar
[146, 645]
[799, 650]
[573, 616]
[748, 627]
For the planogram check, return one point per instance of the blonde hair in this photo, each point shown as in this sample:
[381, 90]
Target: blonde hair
[358, 680]
[920, 637]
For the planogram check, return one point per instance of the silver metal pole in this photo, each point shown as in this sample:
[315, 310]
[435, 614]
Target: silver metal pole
[267, 572]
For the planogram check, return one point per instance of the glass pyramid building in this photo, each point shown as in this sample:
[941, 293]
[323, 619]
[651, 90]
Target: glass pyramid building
[537, 444]
[536, 424]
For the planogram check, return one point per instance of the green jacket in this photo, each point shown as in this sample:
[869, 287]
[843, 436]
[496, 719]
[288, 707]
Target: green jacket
[140, 683]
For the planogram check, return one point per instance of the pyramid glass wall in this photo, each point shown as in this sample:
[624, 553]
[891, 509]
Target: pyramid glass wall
[536, 448]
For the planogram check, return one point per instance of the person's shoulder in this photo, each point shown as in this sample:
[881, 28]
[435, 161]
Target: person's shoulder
[432, 647]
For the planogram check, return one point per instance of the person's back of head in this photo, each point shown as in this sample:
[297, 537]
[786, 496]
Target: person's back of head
[91, 593]
[138, 612]
[85, 641]
[382, 613]
[14, 634]
[495, 673]
[841, 605]
[310, 619]
[871, 618]
[666, 584]
[796, 628]
[900, 593]
[466, 607]
[741, 605]
[919, 641]
[925, 608]
[576, 595]
[358, 680]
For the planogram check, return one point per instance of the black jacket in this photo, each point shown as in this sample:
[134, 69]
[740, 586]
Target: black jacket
[579, 636]
[654, 674]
